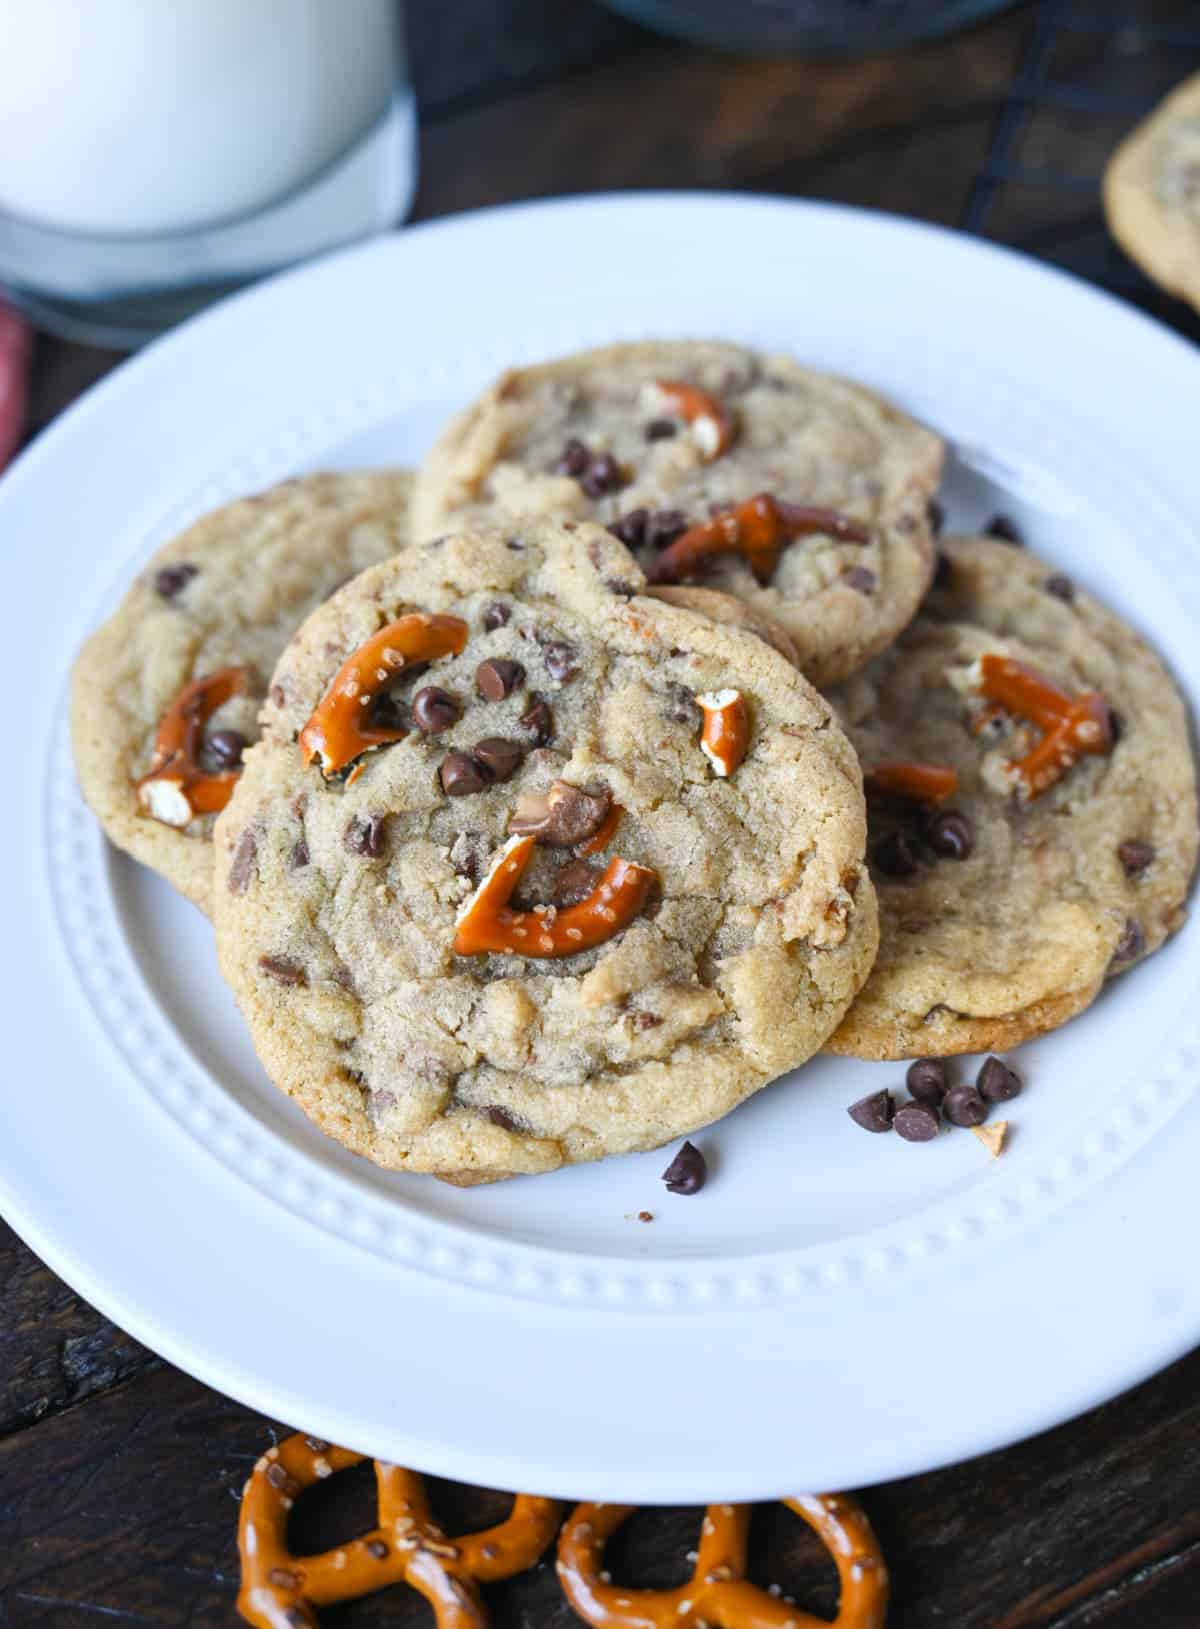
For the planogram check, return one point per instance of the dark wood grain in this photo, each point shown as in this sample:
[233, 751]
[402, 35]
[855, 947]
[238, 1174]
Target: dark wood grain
[119, 1474]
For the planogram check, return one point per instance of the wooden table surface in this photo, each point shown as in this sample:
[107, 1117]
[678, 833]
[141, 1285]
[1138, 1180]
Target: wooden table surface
[119, 1475]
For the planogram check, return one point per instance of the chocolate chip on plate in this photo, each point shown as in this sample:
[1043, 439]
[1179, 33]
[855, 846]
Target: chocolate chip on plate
[498, 677]
[926, 1079]
[1131, 943]
[997, 1082]
[687, 1171]
[1135, 856]
[574, 457]
[894, 855]
[1060, 586]
[561, 660]
[949, 835]
[916, 1122]
[1002, 528]
[873, 1112]
[498, 758]
[460, 775]
[366, 835]
[496, 616]
[226, 747]
[540, 720]
[435, 710]
[602, 476]
[660, 430]
[171, 580]
[964, 1106]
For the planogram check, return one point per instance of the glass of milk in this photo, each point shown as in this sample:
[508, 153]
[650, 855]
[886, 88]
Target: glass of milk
[156, 153]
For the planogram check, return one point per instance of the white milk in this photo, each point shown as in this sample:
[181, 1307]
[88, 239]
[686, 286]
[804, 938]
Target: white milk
[128, 117]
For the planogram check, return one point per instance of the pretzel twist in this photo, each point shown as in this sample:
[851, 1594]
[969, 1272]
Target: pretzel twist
[281, 1590]
[718, 1595]
[1071, 726]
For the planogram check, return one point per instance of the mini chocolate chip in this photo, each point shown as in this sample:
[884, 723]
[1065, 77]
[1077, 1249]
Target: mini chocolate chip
[574, 882]
[226, 747]
[687, 1172]
[300, 855]
[646, 1020]
[283, 969]
[561, 660]
[660, 430]
[502, 1118]
[171, 580]
[435, 710]
[949, 835]
[540, 720]
[1131, 943]
[926, 1080]
[964, 1106]
[1002, 528]
[1061, 587]
[377, 1549]
[499, 759]
[1135, 856]
[242, 866]
[367, 835]
[496, 615]
[602, 476]
[894, 855]
[498, 677]
[996, 1081]
[916, 1122]
[859, 578]
[873, 1112]
[937, 517]
[664, 526]
[460, 775]
[574, 458]
[631, 528]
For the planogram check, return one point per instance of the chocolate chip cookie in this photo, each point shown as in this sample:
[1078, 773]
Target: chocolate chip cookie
[803, 494]
[1152, 193]
[1032, 805]
[530, 868]
[166, 694]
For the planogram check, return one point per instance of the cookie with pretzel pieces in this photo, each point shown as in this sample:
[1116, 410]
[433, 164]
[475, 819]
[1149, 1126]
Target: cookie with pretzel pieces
[1032, 801]
[531, 868]
[1152, 193]
[822, 487]
[166, 692]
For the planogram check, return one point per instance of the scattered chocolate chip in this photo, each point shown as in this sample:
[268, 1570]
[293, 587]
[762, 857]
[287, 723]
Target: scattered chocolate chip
[278, 695]
[664, 526]
[687, 1172]
[496, 616]
[937, 517]
[460, 775]
[498, 677]
[377, 1549]
[859, 578]
[602, 476]
[540, 720]
[574, 458]
[226, 747]
[172, 580]
[573, 883]
[561, 660]
[963, 1106]
[502, 1118]
[646, 1020]
[895, 856]
[282, 1578]
[949, 835]
[660, 430]
[499, 759]
[873, 1112]
[366, 835]
[1060, 586]
[243, 864]
[943, 571]
[300, 855]
[997, 1082]
[1131, 943]
[1001, 527]
[435, 710]
[926, 1080]
[645, 1216]
[1135, 856]
[631, 528]
[916, 1122]
[283, 969]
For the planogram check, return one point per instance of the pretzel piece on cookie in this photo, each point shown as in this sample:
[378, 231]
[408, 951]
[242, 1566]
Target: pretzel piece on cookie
[757, 529]
[177, 787]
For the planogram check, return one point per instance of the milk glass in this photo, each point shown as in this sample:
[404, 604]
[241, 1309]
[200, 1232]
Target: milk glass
[156, 153]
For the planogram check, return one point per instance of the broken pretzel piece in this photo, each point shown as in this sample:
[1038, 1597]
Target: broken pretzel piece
[176, 788]
[1071, 726]
[923, 783]
[341, 728]
[757, 530]
[726, 729]
[712, 423]
[489, 924]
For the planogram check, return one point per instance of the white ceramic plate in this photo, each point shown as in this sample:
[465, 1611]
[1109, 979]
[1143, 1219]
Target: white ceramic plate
[834, 1308]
